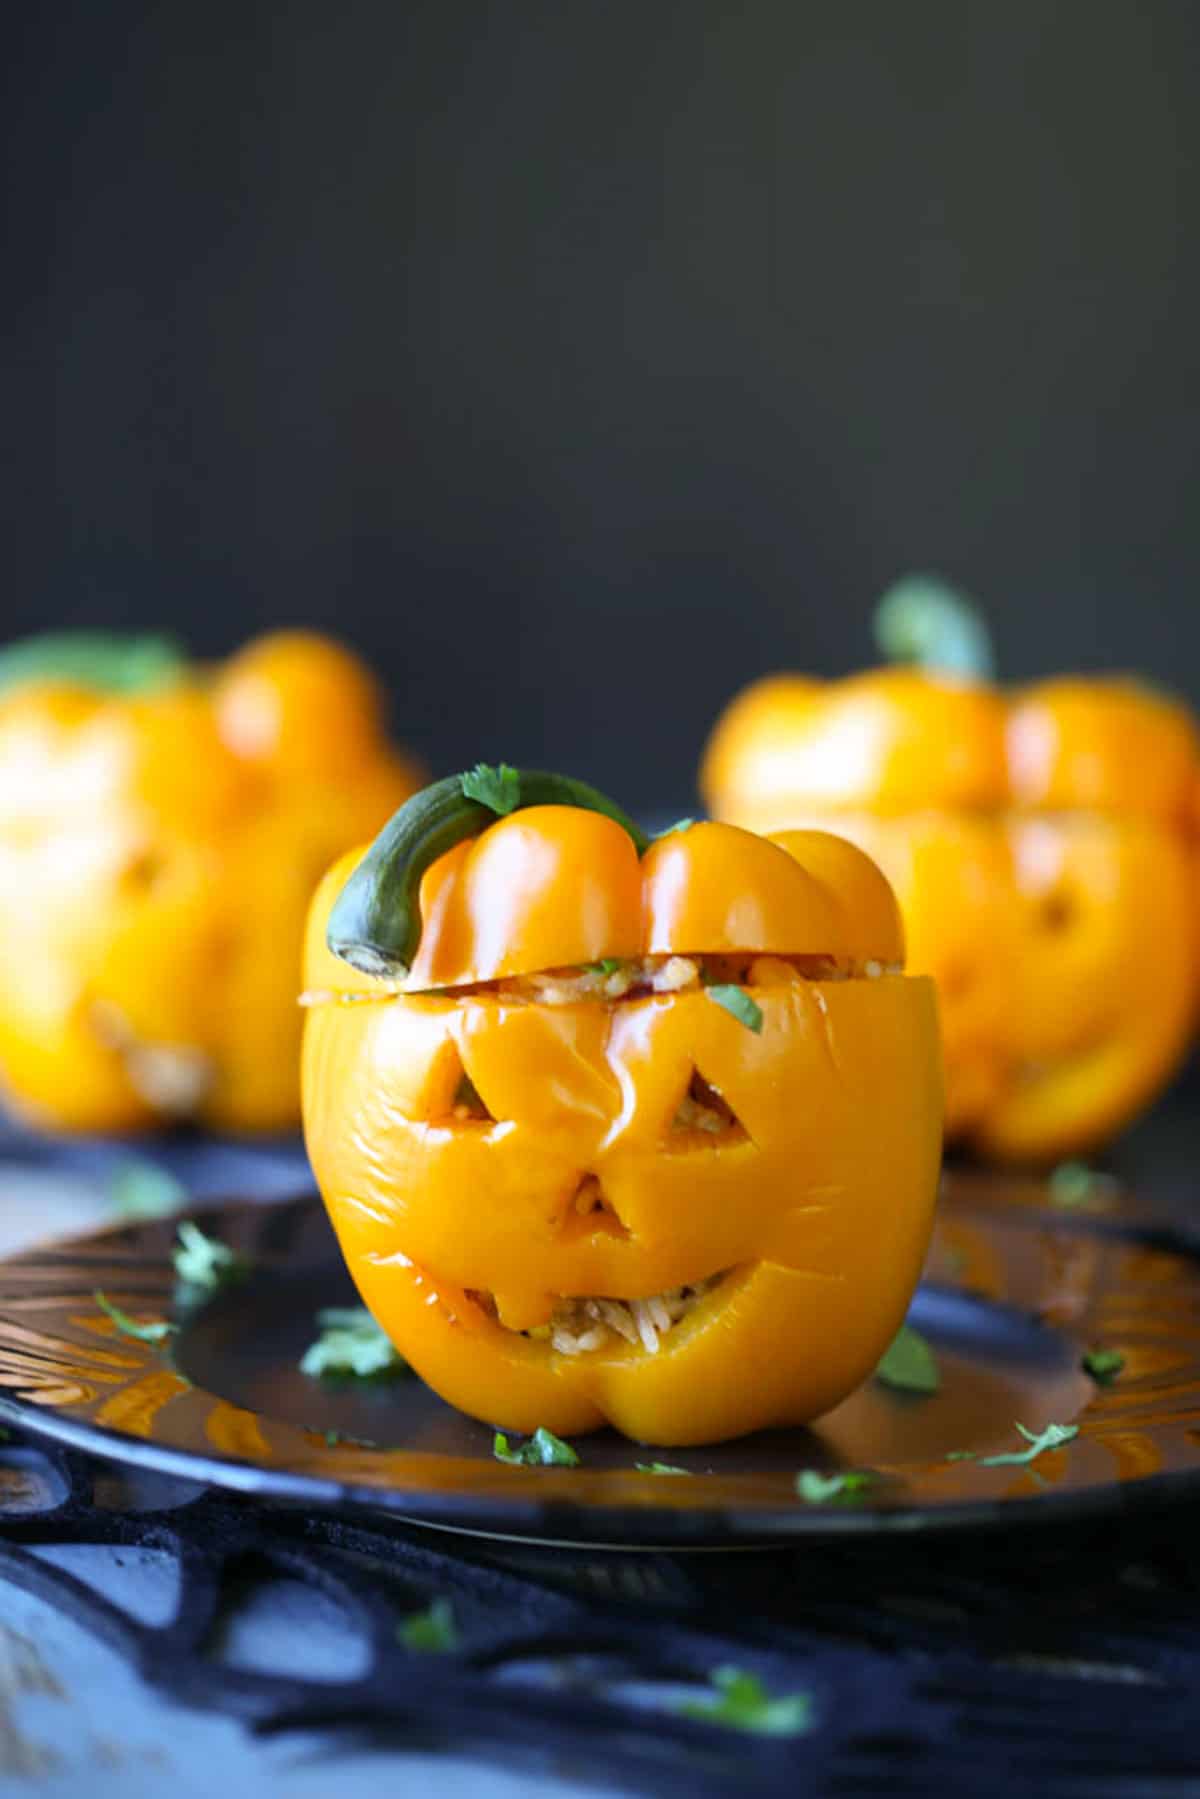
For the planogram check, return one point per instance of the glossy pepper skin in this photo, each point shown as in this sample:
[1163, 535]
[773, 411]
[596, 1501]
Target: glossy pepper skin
[815, 1202]
[158, 849]
[1041, 844]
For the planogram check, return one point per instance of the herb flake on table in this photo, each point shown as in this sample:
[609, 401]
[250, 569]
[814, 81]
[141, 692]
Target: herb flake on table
[350, 1346]
[738, 1003]
[743, 1703]
[155, 1332]
[204, 1263]
[542, 1450]
[908, 1363]
[1103, 1365]
[816, 1488]
[431, 1632]
[659, 1468]
[1075, 1184]
[141, 1190]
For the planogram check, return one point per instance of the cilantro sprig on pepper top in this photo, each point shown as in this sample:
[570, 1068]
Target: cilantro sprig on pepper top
[376, 923]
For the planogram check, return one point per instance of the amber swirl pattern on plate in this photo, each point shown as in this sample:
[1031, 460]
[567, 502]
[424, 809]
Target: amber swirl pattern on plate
[1016, 1293]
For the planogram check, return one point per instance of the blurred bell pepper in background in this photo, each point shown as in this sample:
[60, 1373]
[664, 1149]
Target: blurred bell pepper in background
[1043, 847]
[162, 827]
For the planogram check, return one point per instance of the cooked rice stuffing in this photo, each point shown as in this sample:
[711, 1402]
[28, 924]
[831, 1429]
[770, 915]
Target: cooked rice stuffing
[634, 979]
[580, 1325]
[678, 974]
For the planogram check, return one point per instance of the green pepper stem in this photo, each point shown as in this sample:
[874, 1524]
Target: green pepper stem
[923, 619]
[375, 924]
[102, 660]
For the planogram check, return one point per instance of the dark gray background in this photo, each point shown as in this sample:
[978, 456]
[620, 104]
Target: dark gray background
[579, 361]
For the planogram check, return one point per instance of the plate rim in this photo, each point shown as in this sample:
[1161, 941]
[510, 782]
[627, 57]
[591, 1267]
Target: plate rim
[615, 1527]
[526, 1515]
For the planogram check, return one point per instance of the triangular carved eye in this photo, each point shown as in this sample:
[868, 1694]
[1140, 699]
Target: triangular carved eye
[703, 1112]
[451, 1096]
[468, 1106]
[1057, 911]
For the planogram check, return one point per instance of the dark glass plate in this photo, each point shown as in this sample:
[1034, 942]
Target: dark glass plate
[1016, 1292]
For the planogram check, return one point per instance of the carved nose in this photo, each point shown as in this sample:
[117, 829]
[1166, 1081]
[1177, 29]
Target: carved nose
[590, 1212]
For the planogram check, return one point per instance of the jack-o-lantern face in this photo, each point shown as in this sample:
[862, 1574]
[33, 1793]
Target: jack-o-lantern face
[157, 858]
[573, 1185]
[1042, 849]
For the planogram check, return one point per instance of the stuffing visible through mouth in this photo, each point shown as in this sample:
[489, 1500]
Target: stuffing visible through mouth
[579, 1326]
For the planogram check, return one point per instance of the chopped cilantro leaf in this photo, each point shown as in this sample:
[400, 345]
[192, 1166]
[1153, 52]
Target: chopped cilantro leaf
[1075, 1184]
[738, 1003]
[143, 1190]
[908, 1363]
[432, 1632]
[816, 1488]
[350, 1345]
[659, 1468]
[745, 1704]
[204, 1262]
[1103, 1365]
[157, 1332]
[1053, 1437]
[542, 1449]
[499, 789]
[335, 1437]
[607, 965]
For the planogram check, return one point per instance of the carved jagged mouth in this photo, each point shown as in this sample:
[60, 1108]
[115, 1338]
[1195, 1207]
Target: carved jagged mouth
[584, 1325]
[172, 1078]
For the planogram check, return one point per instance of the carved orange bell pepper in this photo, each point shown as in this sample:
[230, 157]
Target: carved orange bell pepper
[1041, 844]
[612, 1129]
[161, 832]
